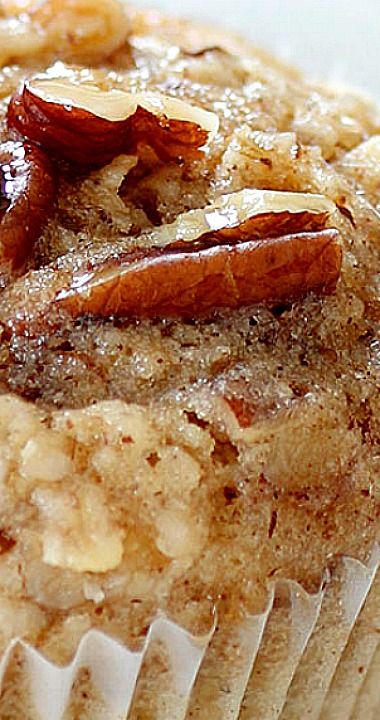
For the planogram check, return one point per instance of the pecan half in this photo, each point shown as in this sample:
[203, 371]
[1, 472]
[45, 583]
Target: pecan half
[187, 283]
[90, 126]
[230, 254]
[27, 194]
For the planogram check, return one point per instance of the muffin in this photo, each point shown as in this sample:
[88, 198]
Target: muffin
[189, 375]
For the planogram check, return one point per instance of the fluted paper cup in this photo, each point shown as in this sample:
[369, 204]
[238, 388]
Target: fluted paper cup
[315, 657]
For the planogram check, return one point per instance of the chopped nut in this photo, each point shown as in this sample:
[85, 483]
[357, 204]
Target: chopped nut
[44, 458]
[90, 126]
[79, 533]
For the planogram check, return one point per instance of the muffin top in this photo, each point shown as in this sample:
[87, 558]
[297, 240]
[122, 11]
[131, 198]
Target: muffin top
[189, 323]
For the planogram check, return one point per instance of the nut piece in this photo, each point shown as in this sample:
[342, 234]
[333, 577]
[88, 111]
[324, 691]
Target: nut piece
[89, 126]
[27, 194]
[78, 531]
[188, 283]
[209, 259]
[248, 215]
[230, 254]
[45, 458]
[79, 30]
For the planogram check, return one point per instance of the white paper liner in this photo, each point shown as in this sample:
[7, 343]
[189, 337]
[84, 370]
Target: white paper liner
[298, 659]
[288, 631]
[353, 671]
[234, 650]
[114, 669]
[367, 706]
[341, 605]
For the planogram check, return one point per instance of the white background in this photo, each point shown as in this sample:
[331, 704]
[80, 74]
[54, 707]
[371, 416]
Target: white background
[334, 39]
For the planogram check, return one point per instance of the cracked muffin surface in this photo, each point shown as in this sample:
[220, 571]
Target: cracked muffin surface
[179, 460]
